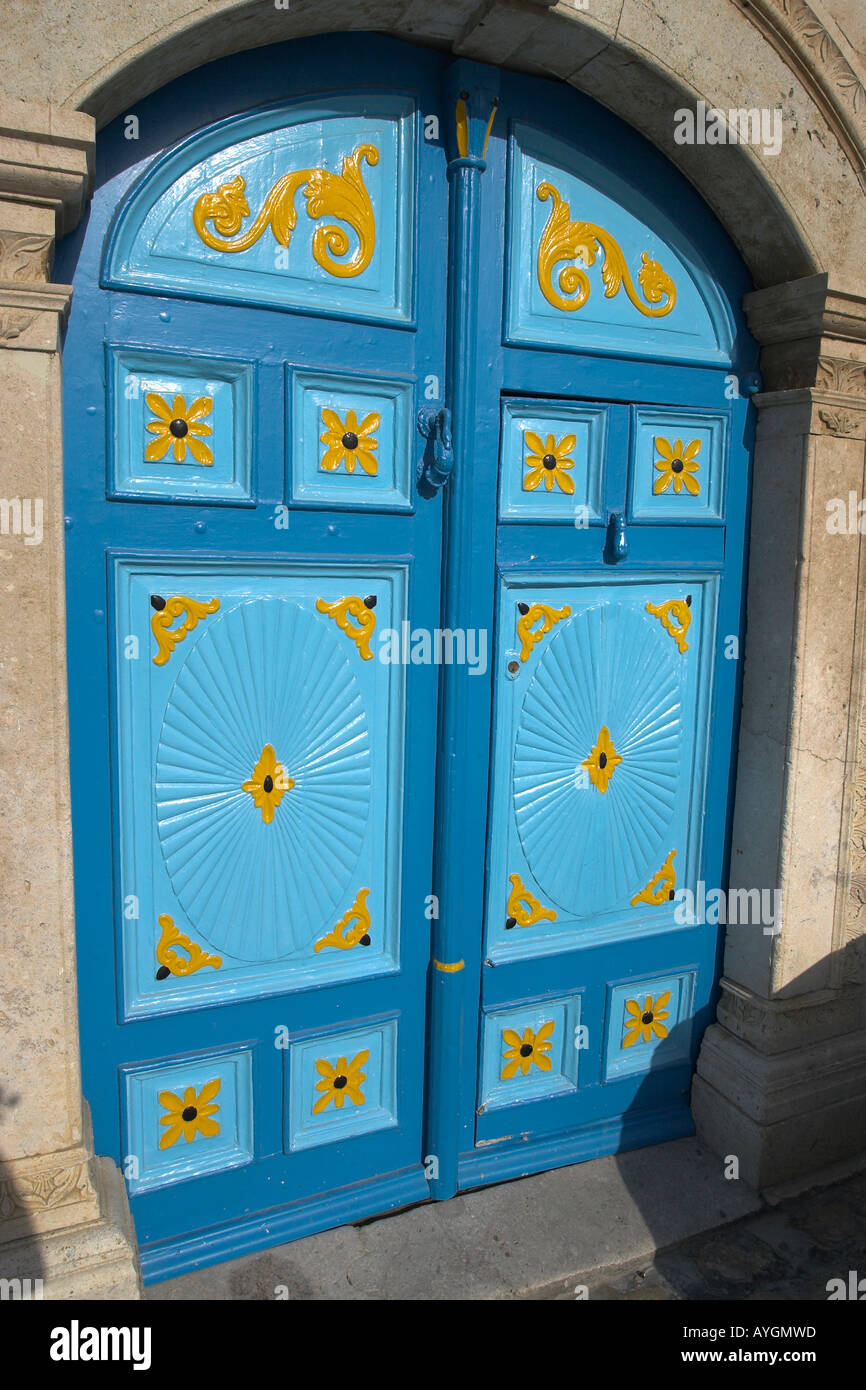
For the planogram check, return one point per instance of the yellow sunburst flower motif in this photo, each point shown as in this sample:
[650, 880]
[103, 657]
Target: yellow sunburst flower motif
[350, 443]
[190, 1116]
[549, 461]
[602, 760]
[643, 1022]
[268, 784]
[522, 1054]
[676, 466]
[340, 1081]
[179, 426]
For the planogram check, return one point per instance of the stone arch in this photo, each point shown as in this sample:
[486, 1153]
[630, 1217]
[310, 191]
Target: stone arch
[641, 63]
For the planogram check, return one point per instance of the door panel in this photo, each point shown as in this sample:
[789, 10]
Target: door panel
[609, 423]
[246, 538]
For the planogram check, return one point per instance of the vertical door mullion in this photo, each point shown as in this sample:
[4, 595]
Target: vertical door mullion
[468, 555]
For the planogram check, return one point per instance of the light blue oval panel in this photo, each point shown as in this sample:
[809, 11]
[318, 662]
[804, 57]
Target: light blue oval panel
[593, 241]
[297, 207]
[268, 672]
[610, 667]
[266, 668]
[608, 678]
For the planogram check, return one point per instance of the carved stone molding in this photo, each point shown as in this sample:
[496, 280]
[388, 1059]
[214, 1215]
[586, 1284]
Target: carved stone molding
[842, 377]
[32, 313]
[828, 67]
[24, 256]
[41, 1190]
[839, 422]
[46, 159]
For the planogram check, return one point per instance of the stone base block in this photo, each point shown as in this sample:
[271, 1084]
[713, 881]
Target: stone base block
[783, 1115]
[95, 1259]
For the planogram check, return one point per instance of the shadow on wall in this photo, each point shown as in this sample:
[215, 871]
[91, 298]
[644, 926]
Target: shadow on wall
[21, 1267]
[735, 1261]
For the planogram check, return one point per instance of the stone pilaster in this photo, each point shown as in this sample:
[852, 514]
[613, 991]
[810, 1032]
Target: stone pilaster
[782, 1074]
[63, 1212]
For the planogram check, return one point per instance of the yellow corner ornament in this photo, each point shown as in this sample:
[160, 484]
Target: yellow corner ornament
[166, 612]
[533, 613]
[173, 964]
[660, 888]
[565, 240]
[361, 609]
[675, 617]
[342, 195]
[523, 909]
[345, 935]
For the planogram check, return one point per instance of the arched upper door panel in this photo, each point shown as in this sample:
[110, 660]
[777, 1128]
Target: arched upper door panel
[305, 206]
[597, 265]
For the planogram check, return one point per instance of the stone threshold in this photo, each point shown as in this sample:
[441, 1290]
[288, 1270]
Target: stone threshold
[527, 1238]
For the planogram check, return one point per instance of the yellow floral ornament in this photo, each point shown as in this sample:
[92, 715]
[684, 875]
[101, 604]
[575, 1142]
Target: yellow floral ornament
[340, 1081]
[677, 467]
[350, 443]
[521, 1054]
[549, 461]
[190, 1116]
[642, 1023]
[268, 784]
[178, 426]
[602, 760]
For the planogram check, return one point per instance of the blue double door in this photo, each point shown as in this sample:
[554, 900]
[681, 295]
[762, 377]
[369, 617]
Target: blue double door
[406, 483]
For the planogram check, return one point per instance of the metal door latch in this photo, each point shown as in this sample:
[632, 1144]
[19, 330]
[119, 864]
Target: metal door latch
[434, 470]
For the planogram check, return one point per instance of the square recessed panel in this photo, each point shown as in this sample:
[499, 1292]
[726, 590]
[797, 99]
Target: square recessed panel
[649, 1024]
[551, 462]
[529, 1051]
[678, 465]
[172, 1112]
[341, 1084]
[201, 413]
[352, 441]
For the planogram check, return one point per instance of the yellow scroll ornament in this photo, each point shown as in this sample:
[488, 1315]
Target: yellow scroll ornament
[342, 195]
[345, 935]
[169, 959]
[661, 886]
[160, 623]
[524, 909]
[361, 610]
[675, 617]
[564, 240]
[533, 613]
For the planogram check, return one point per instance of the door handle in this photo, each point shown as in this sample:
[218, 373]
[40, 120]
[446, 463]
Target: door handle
[434, 470]
[616, 547]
